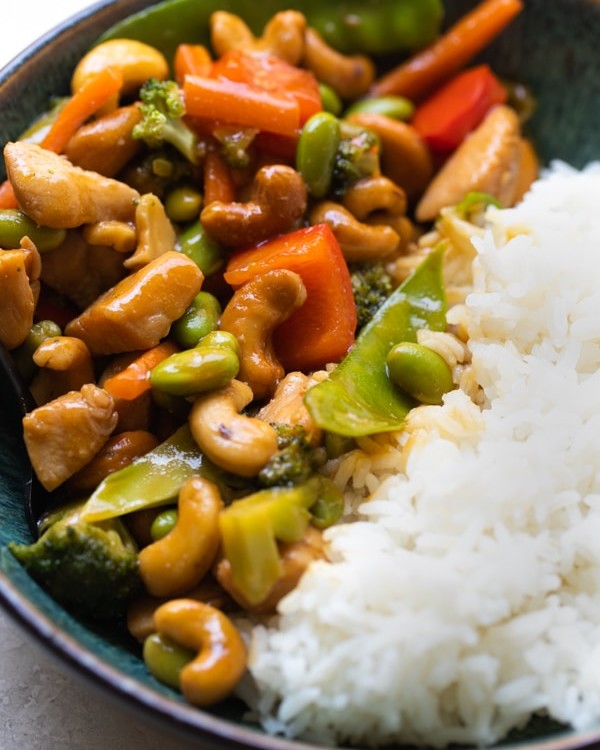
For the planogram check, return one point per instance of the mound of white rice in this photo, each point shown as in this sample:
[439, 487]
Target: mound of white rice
[469, 597]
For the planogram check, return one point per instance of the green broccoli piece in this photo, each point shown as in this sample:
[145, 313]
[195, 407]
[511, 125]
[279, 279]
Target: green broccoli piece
[295, 461]
[163, 109]
[357, 157]
[371, 286]
[91, 569]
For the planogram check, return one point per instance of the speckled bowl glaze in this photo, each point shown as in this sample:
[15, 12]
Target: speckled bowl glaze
[552, 46]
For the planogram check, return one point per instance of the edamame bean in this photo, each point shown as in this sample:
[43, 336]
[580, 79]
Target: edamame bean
[200, 318]
[419, 371]
[183, 204]
[315, 155]
[203, 368]
[14, 225]
[194, 242]
[222, 338]
[330, 100]
[163, 524]
[397, 107]
[23, 354]
[165, 659]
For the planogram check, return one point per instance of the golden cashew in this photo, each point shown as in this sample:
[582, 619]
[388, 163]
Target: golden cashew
[232, 440]
[55, 193]
[221, 659]
[283, 36]
[295, 559]
[350, 75]
[375, 198]
[66, 365]
[487, 161]
[252, 314]
[287, 404]
[106, 145]
[136, 61]
[155, 233]
[405, 158]
[119, 451]
[118, 235]
[529, 167]
[359, 241]
[182, 558]
[277, 202]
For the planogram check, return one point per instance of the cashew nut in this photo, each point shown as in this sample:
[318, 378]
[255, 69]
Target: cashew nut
[375, 197]
[66, 365]
[56, 194]
[405, 158]
[231, 440]
[277, 202]
[118, 235]
[252, 314]
[295, 559]
[287, 404]
[528, 169]
[350, 75]
[221, 659]
[155, 233]
[136, 61]
[487, 161]
[105, 145]
[282, 37]
[359, 241]
[182, 558]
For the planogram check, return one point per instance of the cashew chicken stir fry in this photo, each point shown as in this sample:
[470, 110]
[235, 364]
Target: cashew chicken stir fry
[210, 269]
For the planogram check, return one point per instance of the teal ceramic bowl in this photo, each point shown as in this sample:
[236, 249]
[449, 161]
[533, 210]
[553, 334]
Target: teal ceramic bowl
[552, 47]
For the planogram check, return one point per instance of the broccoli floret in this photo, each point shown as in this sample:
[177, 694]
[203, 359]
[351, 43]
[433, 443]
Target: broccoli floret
[163, 109]
[357, 157]
[295, 461]
[371, 285]
[91, 569]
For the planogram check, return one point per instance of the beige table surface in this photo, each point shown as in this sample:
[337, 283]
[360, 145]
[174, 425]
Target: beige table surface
[42, 707]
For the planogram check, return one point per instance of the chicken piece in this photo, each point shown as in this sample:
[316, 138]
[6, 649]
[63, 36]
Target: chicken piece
[287, 405]
[19, 287]
[487, 161]
[81, 272]
[65, 365]
[138, 312]
[55, 193]
[106, 145]
[63, 435]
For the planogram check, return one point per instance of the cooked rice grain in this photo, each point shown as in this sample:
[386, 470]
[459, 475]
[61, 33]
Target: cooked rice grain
[469, 596]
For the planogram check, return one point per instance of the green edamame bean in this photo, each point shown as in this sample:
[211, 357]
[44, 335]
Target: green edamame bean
[200, 318]
[397, 107]
[163, 524]
[329, 507]
[165, 659]
[23, 354]
[183, 204]
[14, 225]
[315, 155]
[194, 242]
[330, 100]
[419, 371]
[221, 338]
[203, 368]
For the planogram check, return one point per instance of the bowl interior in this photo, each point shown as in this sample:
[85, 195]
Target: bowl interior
[551, 47]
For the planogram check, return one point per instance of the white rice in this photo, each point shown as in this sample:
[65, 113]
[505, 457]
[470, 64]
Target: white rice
[469, 597]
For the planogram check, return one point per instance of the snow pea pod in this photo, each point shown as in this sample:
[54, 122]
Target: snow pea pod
[373, 27]
[358, 398]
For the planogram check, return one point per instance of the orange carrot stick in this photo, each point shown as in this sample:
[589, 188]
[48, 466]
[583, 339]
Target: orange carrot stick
[218, 182]
[94, 94]
[432, 66]
[134, 379]
[7, 196]
[191, 59]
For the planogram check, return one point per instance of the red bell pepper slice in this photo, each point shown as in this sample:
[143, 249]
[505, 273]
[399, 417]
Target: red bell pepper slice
[322, 330]
[449, 115]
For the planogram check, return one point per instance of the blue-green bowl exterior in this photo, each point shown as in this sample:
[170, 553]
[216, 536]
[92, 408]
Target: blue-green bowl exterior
[552, 47]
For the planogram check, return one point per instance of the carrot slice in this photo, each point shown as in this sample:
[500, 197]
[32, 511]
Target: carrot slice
[191, 59]
[218, 182]
[134, 379]
[7, 195]
[430, 67]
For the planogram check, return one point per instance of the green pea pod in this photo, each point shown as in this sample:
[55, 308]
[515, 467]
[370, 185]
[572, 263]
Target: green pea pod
[315, 155]
[14, 225]
[397, 107]
[386, 26]
[165, 659]
[199, 319]
[203, 368]
[194, 242]
[358, 398]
